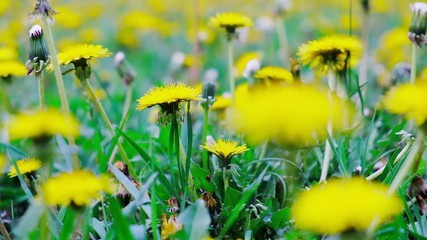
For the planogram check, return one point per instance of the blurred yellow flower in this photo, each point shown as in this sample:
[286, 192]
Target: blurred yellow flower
[170, 226]
[82, 52]
[331, 52]
[291, 114]
[12, 68]
[146, 22]
[344, 204]
[4, 6]
[274, 74]
[3, 161]
[68, 17]
[225, 149]
[394, 47]
[222, 102]
[230, 21]
[78, 188]
[26, 165]
[43, 123]
[166, 96]
[409, 100]
[7, 53]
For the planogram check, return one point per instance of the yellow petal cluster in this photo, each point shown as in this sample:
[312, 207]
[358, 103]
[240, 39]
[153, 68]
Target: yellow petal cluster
[78, 188]
[331, 52]
[12, 68]
[42, 123]
[225, 149]
[7, 53]
[172, 93]
[230, 21]
[290, 115]
[27, 165]
[275, 74]
[344, 204]
[170, 226]
[222, 102]
[82, 51]
[409, 100]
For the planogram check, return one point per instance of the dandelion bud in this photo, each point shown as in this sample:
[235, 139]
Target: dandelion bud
[251, 67]
[418, 25]
[43, 8]
[124, 69]
[365, 5]
[39, 54]
[208, 94]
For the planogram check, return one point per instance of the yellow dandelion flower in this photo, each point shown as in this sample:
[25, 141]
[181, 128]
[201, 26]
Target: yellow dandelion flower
[78, 188]
[82, 52]
[12, 68]
[230, 21]
[243, 61]
[331, 52]
[42, 124]
[68, 17]
[170, 226]
[274, 74]
[394, 47]
[3, 161]
[167, 95]
[27, 165]
[291, 114]
[225, 149]
[7, 53]
[222, 102]
[409, 100]
[344, 204]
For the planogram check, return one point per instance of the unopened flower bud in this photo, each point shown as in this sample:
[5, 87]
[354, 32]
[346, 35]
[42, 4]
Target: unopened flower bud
[366, 5]
[39, 54]
[418, 25]
[208, 90]
[251, 67]
[123, 68]
[43, 8]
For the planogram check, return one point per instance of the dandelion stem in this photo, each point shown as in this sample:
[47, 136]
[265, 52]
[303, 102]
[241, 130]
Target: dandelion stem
[413, 156]
[4, 96]
[328, 149]
[154, 213]
[41, 90]
[4, 231]
[230, 65]
[413, 63]
[60, 84]
[263, 150]
[205, 134]
[92, 96]
[398, 157]
[283, 40]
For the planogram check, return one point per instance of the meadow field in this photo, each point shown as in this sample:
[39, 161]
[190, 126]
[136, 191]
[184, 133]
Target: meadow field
[198, 119]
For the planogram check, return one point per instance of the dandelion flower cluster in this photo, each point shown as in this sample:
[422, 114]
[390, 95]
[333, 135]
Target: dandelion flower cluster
[230, 21]
[225, 149]
[274, 74]
[222, 102]
[78, 188]
[331, 53]
[40, 124]
[344, 204]
[27, 165]
[82, 52]
[290, 115]
[409, 100]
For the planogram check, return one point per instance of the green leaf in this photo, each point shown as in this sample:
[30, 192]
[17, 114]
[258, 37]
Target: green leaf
[68, 225]
[30, 221]
[120, 223]
[200, 178]
[162, 178]
[280, 219]
[98, 226]
[232, 197]
[196, 221]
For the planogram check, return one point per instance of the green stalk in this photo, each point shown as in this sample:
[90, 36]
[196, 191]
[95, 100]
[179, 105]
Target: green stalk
[230, 65]
[205, 134]
[153, 203]
[60, 83]
[413, 156]
[414, 63]
[263, 150]
[283, 39]
[41, 90]
[181, 174]
[92, 96]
